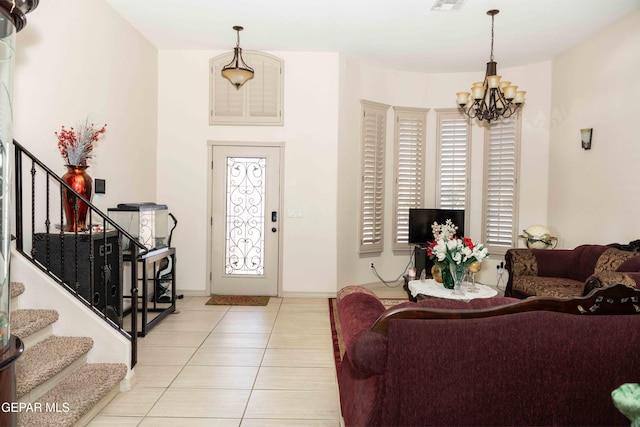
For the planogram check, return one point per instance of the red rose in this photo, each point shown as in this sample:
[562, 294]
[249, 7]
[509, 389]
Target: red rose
[468, 243]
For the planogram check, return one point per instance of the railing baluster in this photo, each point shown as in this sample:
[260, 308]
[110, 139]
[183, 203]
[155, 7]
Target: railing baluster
[73, 283]
[75, 248]
[47, 225]
[62, 249]
[18, 198]
[134, 304]
[33, 206]
[92, 284]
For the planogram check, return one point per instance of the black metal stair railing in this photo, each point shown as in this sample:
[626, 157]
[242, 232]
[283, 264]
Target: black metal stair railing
[88, 263]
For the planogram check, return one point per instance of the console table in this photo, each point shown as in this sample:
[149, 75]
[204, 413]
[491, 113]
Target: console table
[89, 263]
[150, 265]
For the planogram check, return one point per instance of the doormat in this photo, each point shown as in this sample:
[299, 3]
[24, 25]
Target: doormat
[237, 300]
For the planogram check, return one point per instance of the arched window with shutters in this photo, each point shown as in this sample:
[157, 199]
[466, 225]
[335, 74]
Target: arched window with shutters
[257, 102]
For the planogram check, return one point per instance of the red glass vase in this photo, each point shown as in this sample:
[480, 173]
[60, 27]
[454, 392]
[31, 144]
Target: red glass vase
[78, 179]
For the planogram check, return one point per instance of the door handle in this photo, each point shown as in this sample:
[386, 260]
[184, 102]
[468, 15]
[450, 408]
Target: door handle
[274, 216]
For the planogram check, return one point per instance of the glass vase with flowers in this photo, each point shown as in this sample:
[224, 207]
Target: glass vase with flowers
[454, 255]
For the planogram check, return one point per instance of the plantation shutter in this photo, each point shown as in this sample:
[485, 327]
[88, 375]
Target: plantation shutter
[264, 88]
[410, 126]
[453, 160]
[374, 129]
[501, 184]
[258, 101]
[228, 103]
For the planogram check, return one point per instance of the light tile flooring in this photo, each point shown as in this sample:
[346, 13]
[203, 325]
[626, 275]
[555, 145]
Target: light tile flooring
[235, 366]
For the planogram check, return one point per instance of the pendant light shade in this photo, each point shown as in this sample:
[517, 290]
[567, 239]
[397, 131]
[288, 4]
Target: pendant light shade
[237, 71]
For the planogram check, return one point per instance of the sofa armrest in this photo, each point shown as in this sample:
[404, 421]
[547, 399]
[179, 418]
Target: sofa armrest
[546, 263]
[519, 262]
[608, 278]
[367, 350]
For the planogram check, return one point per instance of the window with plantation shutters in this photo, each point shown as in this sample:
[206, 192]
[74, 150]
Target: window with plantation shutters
[258, 101]
[409, 161]
[453, 160]
[502, 140]
[373, 136]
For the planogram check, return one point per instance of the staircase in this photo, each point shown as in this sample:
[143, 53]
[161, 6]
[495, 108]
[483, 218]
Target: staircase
[53, 375]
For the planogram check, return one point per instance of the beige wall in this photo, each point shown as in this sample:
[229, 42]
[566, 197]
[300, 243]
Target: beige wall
[310, 140]
[433, 91]
[77, 59]
[593, 195]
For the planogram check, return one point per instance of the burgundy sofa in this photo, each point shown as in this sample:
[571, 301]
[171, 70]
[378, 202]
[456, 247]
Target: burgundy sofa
[569, 272]
[511, 362]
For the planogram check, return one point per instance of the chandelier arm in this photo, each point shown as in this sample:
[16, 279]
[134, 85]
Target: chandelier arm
[471, 112]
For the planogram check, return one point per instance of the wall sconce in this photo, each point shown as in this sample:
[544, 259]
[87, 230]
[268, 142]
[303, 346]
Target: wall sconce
[585, 135]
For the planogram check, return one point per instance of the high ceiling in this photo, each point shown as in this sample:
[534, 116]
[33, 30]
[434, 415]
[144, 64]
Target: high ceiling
[398, 34]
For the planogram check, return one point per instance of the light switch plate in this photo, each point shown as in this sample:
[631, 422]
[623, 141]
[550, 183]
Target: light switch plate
[294, 213]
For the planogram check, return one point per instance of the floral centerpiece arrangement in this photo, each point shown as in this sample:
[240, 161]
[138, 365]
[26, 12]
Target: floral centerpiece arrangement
[76, 145]
[452, 253]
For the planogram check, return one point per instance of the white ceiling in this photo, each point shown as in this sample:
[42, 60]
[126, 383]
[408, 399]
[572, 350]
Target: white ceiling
[398, 34]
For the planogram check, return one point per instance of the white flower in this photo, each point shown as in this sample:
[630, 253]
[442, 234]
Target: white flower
[452, 250]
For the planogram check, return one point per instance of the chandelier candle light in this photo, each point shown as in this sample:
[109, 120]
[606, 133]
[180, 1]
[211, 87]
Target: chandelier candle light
[492, 99]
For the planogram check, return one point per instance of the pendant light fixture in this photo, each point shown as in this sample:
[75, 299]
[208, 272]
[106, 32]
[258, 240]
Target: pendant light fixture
[492, 99]
[237, 71]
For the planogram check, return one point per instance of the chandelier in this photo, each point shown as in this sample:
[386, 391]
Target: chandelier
[237, 71]
[491, 99]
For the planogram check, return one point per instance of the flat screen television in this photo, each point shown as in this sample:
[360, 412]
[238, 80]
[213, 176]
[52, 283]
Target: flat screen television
[420, 221]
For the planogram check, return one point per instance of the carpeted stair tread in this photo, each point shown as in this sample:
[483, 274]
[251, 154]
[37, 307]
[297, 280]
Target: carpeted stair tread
[47, 358]
[16, 289]
[81, 392]
[25, 322]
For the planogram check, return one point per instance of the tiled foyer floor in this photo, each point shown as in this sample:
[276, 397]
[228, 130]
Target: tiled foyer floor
[235, 366]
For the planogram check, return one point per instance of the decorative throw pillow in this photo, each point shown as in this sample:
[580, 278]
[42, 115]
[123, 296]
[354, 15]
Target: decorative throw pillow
[611, 259]
[631, 264]
[524, 263]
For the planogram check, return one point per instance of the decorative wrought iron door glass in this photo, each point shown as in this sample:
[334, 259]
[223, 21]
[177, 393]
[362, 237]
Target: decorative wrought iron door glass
[245, 221]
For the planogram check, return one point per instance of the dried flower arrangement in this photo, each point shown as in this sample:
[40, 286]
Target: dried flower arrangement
[76, 145]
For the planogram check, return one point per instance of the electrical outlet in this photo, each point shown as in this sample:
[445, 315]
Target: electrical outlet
[371, 266]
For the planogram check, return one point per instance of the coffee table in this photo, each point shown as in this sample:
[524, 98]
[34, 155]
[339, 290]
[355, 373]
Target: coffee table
[429, 288]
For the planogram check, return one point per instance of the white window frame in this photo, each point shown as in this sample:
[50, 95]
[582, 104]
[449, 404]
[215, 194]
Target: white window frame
[258, 102]
[373, 133]
[409, 169]
[501, 184]
[453, 157]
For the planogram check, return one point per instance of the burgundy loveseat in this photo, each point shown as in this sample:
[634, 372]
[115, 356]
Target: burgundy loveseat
[510, 363]
[569, 272]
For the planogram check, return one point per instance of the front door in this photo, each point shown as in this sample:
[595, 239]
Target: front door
[245, 220]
